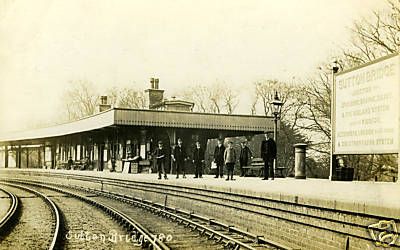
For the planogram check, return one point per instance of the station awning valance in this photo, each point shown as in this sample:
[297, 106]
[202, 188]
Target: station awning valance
[148, 118]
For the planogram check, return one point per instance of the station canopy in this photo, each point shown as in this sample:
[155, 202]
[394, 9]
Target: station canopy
[147, 118]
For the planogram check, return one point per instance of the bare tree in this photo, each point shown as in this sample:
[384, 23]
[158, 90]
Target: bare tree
[375, 37]
[314, 117]
[131, 98]
[253, 109]
[81, 100]
[230, 99]
[199, 95]
[215, 96]
[212, 99]
[372, 38]
[265, 92]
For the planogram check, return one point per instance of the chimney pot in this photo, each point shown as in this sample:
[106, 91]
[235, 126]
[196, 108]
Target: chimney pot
[103, 99]
[103, 106]
[155, 95]
[156, 81]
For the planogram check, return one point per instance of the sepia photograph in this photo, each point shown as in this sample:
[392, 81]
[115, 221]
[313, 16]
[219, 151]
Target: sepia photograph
[188, 124]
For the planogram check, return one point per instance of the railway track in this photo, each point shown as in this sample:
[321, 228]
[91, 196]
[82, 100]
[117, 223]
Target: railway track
[259, 206]
[39, 222]
[142, 237]
[177, 229]
[10, 213]
[85, 227]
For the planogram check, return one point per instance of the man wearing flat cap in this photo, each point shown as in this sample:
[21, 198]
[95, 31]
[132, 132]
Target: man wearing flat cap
[268, 153]
[230, 160]
[160, 155]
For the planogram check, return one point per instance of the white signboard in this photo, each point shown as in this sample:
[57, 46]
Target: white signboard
[366, 109]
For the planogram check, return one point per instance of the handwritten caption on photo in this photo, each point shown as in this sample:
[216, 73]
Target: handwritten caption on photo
[114, 237]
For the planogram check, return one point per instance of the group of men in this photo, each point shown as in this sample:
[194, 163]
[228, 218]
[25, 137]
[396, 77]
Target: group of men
[227, 156]
[222, 157]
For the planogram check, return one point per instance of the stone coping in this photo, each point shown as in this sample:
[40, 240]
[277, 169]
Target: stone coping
[379, 199]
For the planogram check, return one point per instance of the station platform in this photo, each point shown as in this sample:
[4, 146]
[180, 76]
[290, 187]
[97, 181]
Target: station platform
[375, 198]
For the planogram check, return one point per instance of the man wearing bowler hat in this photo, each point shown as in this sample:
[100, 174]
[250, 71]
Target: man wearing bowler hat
[179, 157]
[160, 156]
[219, 158]
[198, 160]
[268, 153]
[245, 156]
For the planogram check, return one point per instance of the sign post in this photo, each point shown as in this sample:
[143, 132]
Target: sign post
[366, 109]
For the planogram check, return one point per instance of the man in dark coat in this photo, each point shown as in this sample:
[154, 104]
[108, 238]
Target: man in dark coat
[179, 157]
[160, 156]
[70, 163]
[268, 153]
[198, 160]
[245, 155]
[219, 158]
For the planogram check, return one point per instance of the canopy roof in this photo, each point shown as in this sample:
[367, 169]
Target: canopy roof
[148, 118]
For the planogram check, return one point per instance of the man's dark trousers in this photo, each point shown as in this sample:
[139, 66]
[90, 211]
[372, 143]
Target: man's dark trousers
[180, 167]
[269, 168]
[161, 169]
[198, 169]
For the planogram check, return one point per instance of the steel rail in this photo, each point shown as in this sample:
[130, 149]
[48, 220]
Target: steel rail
[53, 209]
[11, 210]
[148, 238]
[122, 183]
[161, 210]
[170, 187]
[196, 226]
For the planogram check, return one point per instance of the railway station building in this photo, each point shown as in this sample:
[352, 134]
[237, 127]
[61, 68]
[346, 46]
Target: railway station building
[107, 139]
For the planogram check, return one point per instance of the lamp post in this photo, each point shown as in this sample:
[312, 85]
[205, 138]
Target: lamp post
[332, 170]
[276, 111]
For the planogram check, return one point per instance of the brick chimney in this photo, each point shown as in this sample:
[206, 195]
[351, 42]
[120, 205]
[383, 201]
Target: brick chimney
[155, 95]
[103, 106]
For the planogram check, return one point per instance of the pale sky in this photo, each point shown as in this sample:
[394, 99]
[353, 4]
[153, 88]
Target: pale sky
[46, 44]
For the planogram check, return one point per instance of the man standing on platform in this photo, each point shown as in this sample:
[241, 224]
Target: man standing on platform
[198, 160]
[230, 159]
[219, 158]
[245, 155]
[160, 156]
[179, 157]
[268, 153]
[70, 163]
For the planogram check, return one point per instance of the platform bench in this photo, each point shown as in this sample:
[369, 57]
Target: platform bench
[258, 165]
[280, 169]
[255, 166]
